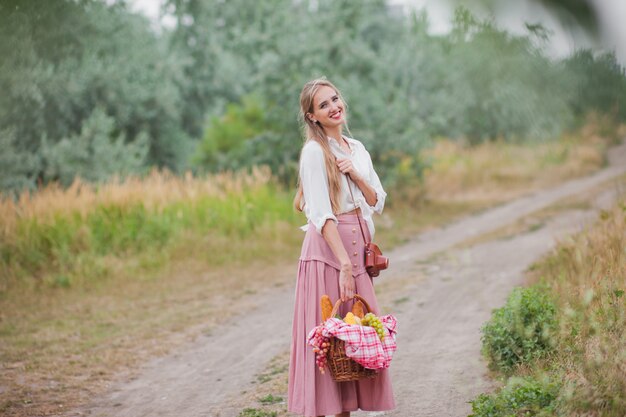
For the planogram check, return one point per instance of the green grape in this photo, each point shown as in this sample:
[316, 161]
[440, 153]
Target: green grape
[371, 320]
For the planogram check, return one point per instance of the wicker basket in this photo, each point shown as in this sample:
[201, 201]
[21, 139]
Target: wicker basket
[342, 368]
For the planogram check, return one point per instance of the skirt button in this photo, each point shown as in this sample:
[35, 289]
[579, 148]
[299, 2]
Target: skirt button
[354, 242]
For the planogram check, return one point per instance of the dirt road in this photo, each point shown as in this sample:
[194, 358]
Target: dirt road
[440, 293]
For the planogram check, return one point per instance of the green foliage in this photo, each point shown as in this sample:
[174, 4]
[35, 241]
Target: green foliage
[404, 86]
[16, 164]
[520, 331]
[225, 138]
[505, 86]
[239, 65]
[65, 64]
[94, 154]
[520, 397]
[599, 83]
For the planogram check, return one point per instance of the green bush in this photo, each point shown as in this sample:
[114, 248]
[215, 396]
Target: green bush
[520, 397]
[521, 330]
[96, 154]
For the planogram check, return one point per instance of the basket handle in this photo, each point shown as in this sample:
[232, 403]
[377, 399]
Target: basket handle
[357, 297]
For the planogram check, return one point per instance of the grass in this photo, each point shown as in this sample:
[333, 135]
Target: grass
[97, 279]
[585, 275]
[494, 172]
[270, 399]
[66, 237]
[255, 412]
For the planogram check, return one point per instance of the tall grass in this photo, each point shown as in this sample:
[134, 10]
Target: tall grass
[587, 274]
[55, 231]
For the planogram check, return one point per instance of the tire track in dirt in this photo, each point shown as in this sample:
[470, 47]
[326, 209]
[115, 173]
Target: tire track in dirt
[437, 368]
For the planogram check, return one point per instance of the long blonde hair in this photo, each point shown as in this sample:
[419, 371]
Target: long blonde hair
[315, 131]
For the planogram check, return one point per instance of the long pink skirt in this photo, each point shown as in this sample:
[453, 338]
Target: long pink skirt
[310, 392]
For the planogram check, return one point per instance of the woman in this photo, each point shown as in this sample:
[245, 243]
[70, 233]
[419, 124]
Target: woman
[332, 257]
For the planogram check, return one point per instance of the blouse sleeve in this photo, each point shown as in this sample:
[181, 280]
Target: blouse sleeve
[314, 179]
[374, 181]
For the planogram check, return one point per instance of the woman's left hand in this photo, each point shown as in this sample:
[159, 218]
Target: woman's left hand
[346, 167]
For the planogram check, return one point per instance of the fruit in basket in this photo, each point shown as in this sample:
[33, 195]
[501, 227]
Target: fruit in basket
[358, 309]
[327, 307]
[371, 320]
[321, 350]
[349, 318]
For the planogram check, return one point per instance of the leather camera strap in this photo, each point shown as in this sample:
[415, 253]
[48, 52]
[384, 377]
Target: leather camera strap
[358, 217]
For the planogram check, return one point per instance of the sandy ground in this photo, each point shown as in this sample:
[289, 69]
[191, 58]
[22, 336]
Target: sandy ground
[441, 295]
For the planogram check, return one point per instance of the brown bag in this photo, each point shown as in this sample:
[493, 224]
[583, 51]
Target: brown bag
[374, 259]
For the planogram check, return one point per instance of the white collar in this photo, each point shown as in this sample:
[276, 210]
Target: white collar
[332, 139]
[333, 142]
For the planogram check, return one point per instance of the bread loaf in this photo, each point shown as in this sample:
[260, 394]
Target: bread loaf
[358, 309]
[327, 307]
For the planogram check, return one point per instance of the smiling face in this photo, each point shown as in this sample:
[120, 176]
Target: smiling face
[328, 109]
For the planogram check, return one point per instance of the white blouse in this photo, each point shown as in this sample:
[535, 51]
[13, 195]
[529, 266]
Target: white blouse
[314, 178]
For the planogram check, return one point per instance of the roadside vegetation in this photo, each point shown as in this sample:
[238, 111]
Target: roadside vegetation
[558, 346]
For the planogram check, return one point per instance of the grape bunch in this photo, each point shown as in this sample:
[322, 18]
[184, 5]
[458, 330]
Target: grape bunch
[371, 320]
[322, 345]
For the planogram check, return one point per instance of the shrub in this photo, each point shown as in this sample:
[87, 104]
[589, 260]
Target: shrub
[521, 330]
[95, 154]
[520, 397]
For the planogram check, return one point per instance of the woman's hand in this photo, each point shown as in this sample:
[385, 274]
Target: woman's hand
[346, 167]
[346, 282]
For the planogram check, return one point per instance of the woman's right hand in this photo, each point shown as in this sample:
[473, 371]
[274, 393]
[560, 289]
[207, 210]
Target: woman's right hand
[346, 283]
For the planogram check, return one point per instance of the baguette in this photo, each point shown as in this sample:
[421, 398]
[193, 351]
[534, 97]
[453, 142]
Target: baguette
[327, 307]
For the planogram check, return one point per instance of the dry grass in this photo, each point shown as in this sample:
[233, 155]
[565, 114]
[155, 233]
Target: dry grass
[494, 172]
[63, 238]
[155, 192]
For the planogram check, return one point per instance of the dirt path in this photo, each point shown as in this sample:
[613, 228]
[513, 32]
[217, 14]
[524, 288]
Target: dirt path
[440, 294]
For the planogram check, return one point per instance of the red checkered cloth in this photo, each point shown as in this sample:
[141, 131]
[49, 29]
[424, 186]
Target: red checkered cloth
[362, 342]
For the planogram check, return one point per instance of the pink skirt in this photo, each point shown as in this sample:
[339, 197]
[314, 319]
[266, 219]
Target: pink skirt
[311, 393]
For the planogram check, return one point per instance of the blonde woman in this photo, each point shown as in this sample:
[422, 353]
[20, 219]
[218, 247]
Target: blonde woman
[332, 257]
